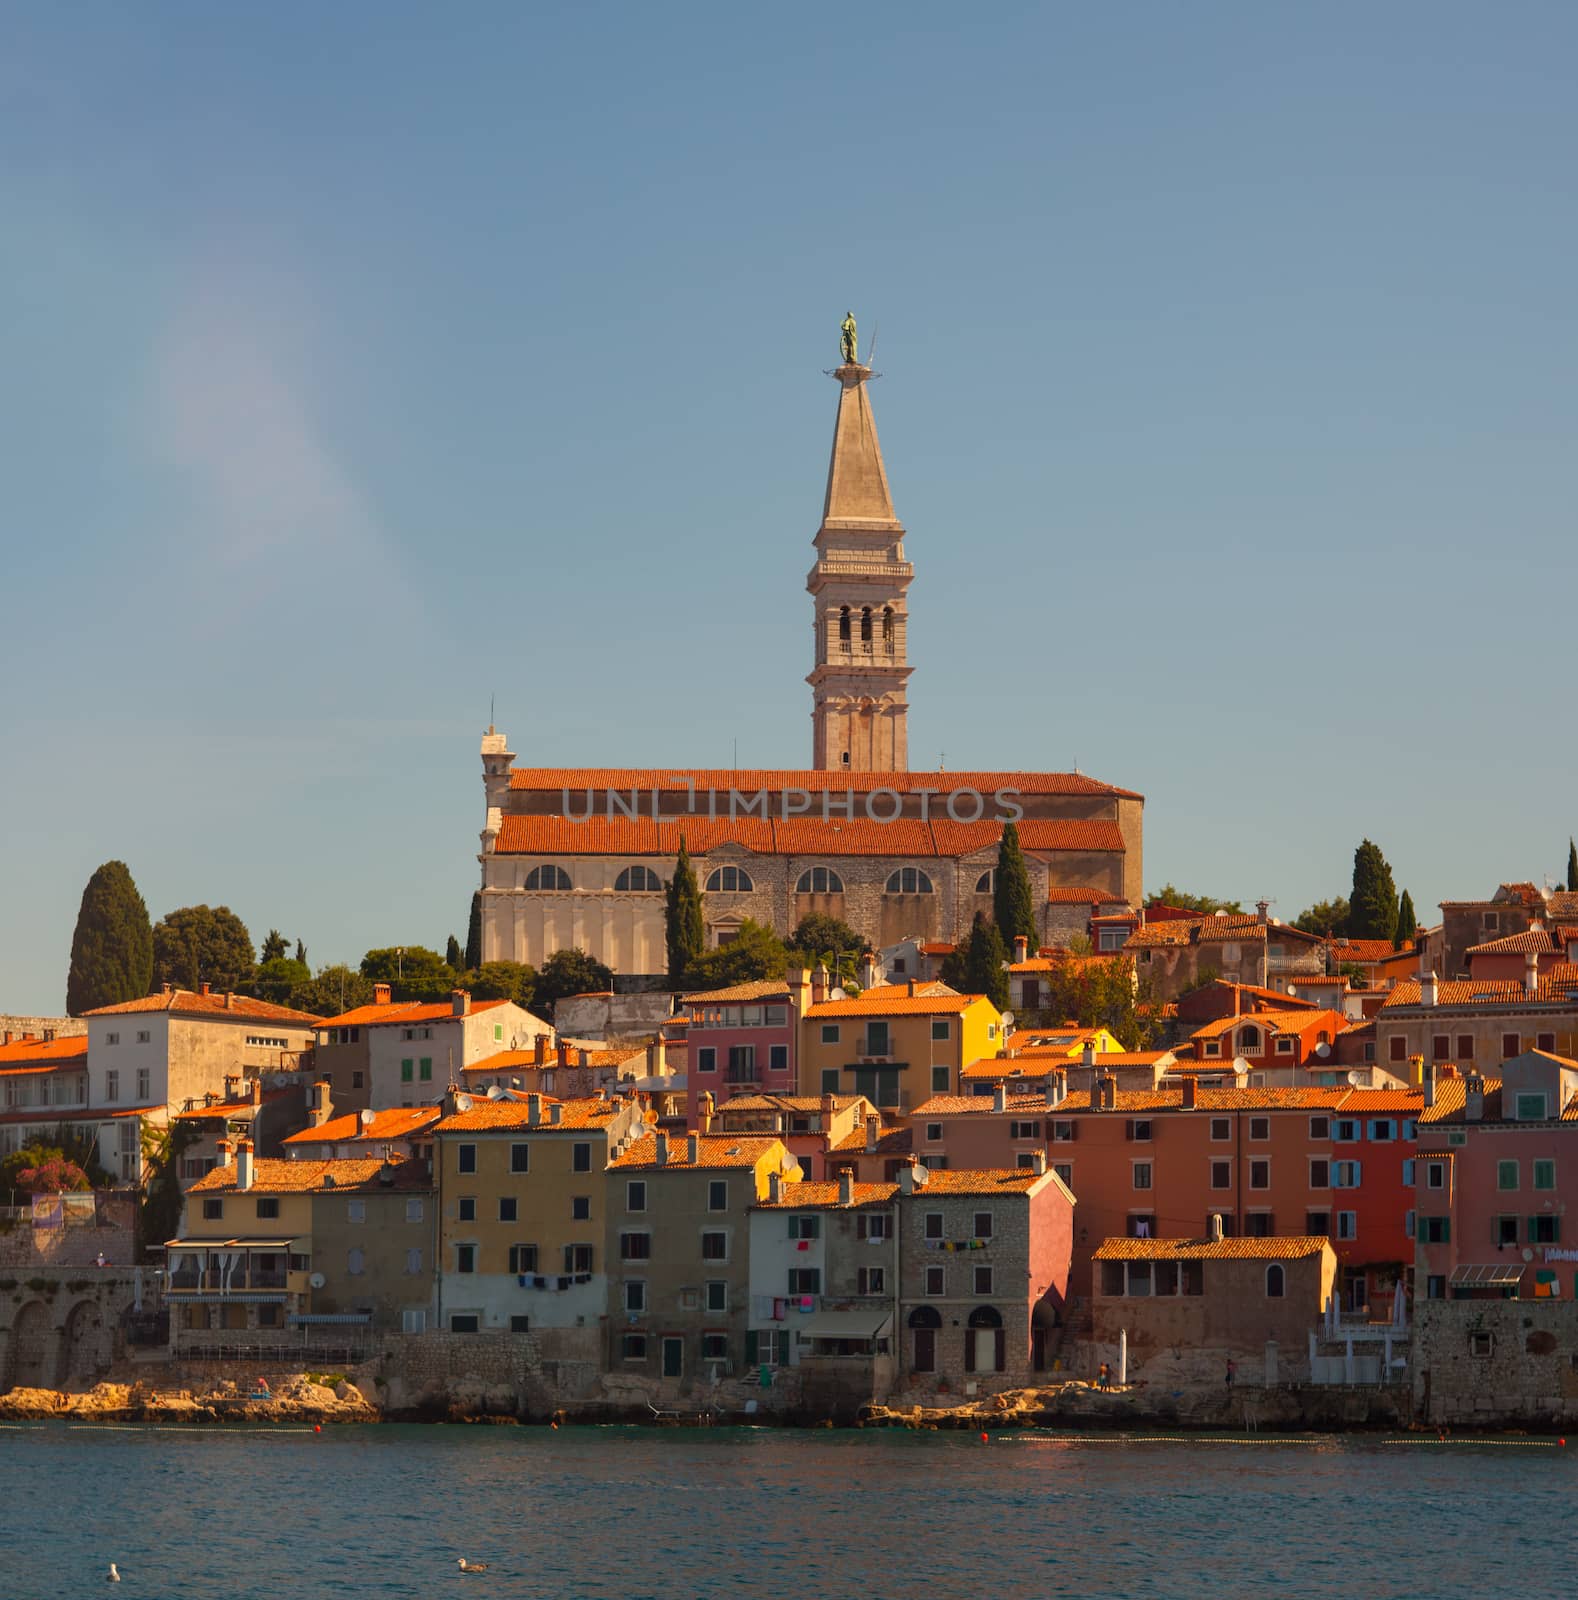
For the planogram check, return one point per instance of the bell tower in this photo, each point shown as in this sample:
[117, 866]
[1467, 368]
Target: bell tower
[859, 588]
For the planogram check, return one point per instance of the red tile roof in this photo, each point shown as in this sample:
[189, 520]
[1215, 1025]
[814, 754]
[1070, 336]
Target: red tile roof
[1538, 940]
[1363, 950]
[579, 1115]
[898, 1006]
[1557, 988]
[731, 1151]
[762, 989]
[776, 780]
[232, 1108]
[271, 1176]
[1285, 1247]
[38, 1053]
[890, 1142]
[397, 1122]
[984, 1181]
[1062, 895]
[188, 1003]
[802, 1196]
[1293, 1021]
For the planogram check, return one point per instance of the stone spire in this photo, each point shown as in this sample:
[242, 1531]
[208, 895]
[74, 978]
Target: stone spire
[859, 587]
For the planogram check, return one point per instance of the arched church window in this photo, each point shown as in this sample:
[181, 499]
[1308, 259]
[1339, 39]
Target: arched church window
[638, 880]
[987, 882]
[843, 624]
[548, 878]
[865, 624]
[729, 880]
[909, 880]
[819, 880]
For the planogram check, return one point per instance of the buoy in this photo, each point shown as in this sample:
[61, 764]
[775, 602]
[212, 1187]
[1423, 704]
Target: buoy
[317, 1427]
[983, 1438]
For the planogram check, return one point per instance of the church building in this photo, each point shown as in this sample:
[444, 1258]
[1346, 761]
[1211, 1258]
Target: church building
[578, 857]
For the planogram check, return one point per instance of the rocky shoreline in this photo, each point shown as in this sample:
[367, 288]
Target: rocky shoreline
[297, 1399]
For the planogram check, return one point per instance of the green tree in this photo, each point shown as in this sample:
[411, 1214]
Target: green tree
[194, 945]
[1374, 897]
[41, 1169]
[1167, 895]
[1407, 922]
[452, 956]
[162, 1149]
[112, 947]
[274, 947]
[754, 953]
[568, 972]
[502, 980]
[1325, 917]
[984, 967]
[301, 952]
[334, 990]
[413, 972]
[1104, 994]
[1572, 865]
[280, 980]
[683, 932]
[474, 932]
[817, 935]
[1012, 903]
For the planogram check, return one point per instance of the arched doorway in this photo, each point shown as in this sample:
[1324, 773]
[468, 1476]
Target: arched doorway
[924, 1323]
[984, 1345]
[85, 1348]
[30, 1344]
[1043, 1323]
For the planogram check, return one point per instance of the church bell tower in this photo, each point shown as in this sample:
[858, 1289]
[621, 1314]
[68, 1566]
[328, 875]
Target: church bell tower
[859, 587]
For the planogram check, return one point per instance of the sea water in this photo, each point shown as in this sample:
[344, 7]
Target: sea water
[389, 1511]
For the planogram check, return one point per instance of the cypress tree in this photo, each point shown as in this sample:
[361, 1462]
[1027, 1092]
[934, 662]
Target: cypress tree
[682, 926]
[112, 948]
[474, 933]
[984, 958]
[1407, 923]
[1374, 898]
[1572, 865]
[452, 953]
[1012, 904]
[301, 952]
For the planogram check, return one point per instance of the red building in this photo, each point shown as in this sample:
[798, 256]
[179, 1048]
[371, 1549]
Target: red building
[742, 1040]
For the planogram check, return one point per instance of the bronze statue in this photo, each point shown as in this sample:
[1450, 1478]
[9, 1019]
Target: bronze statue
[847, 332]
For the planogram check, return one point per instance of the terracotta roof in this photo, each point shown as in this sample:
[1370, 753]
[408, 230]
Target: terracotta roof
[580, 1115]
[232, 1108]
[985, 1181]
[857, 836]
[1538, 940]
[802, 1196]
[1363, 950]
[359, 1015]
[936, 948]
[776, 780]
[1311, 981]
[1284, 1247]
[1524, 893]
[1451, 1093]
[1360, 1101]
[1214, 930]
[1063, 962]
[731, 1151]
[436, 1011]
[762, 989]
[188, 1003]
[1304, 1098]
[54, 1114]
[41, 1053]
[1035, 833]
[898, 1006]
[900, 991]
[785, 1102]
[890, 1142]
[513, 1060]
[272, 1176]
[962, 1105]
[1558, 987]
[1281, 1000]
[1275, 1021]
[1081, 895]
[397, 1122]
[1562, 903]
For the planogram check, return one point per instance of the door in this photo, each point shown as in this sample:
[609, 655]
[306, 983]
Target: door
[925, 1349]
[985, 1349]
[673, 1357]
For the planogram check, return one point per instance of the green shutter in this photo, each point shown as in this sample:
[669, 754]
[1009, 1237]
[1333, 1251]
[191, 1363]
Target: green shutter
[1446, 1230]
[750, 1347]
[405, 1071]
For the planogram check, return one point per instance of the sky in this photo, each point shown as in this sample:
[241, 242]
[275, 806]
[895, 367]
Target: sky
[369, 366]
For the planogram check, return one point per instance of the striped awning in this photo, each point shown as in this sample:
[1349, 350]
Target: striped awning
[325, 1319]
[1493, 1275]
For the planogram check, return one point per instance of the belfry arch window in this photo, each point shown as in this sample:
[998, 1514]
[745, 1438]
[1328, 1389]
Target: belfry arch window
[551, 878]
[843, 624]
[729, 880]
[909, 880]
[865, 625]
[819, 880]
[887, 628]
[638, 880]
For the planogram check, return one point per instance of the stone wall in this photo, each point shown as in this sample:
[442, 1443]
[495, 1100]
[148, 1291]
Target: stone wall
[1496, 1363]
[58, 1324]
[61, 1027]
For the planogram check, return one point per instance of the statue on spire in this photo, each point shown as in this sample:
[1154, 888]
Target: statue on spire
[847, 339]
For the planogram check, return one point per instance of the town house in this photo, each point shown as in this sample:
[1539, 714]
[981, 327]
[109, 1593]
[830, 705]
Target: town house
[812, 1126]
[414, 1055]
[399, 1133]
[1477, 1023]
[742, 1040]
[1178, 954]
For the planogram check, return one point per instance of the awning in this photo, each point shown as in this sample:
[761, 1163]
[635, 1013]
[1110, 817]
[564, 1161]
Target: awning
[324, 1319]
[242, 1297]
[228, 1244]
[1498, 1274]
[845, 1324]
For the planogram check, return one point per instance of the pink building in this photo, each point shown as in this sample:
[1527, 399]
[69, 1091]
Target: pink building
[1496, 1168]
[741, 1041]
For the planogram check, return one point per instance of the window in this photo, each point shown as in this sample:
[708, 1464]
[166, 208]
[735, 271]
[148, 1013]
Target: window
[1221, 1128]
[1065, 1172]
[548, 879]
[414, 1320]
[355, 1261]
[707, 1058]
[520, 1158]
[718, 1194]
[805, 1280]
[466, 1208]
[519, 1322]
[983, 1280]
[213, 1210]
[714, 1246]
[729, 880]
[1347, 1131]
[144, 1083]
[1382, 1130]
[1531, 1107]
[112, 1082]
[1435, 1174]
[1440, 1047]
[465, 1158]
[508, 1208]
[580, 1208]
[717, 1294]
[819, 880]
[1142, 1174]
[714, 1347]
[425, 1072]
[1320, 1174]
[638, 880]
[1545, 1041]
[870, 1280]
[1284, 1045]
[987, 881]
[983, 1224]
[1258, 1225]
[268, 1208]
[1210, 1047]
[633, 1347]
[909, 880]
[498, 1032]
[1221, 1174]
[830, 1080]
[465, 1321]
[1435, 1230]
[933, 1225]
[1064, 1130]
[1347, 1224]
[874, 1226]
[407, 1070]
[1346, 1174]
[635, 1246]
[941, 1027]
[1024, 1130]
[1506, 1174]
[1506, 1230]
[1397, 1048]
[1544, 1174]
[1276, 1281]
[1510, 1046]
[805, 1225]
[1260, 1127]
[466, 1260]
[939, 1080]
[1435, 1286]
[635, 1295]
[1320, 1127]
[577, 1258]
[1317, 1223]
[112, 1038]
[1138, 1128]
[1249, 1041]
[636, 1195]
[778, 1058]
[413, 1262]
[1259, 1174]
[829, 1033]
[936, 1280]
[413, 1208]
[1545, 1229]
[1465, 1047]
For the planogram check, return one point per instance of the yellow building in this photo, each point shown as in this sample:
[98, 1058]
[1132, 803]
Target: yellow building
[522, 1224]
[897, 1050]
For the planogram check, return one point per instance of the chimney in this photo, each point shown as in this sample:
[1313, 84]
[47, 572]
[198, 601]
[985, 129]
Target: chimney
[230, 999]
[460, 1002]
[533, 1110]
[873, 1133]
[819, 985]
[1057, 1088]
[828, 1109]
[1474, 1098]
[1216, 1227]
[1429, 1074]
[662, 1148]
[657, 1057]
[318, 1104]
[907, 1183]
[1087, 1056]
[1424, 961]
[202, 988]
[775, 1188]
[225, 1150]
[870, 977]
[1427, 989]
[556, 1114]
[693, 1148]
[49, 1035]
[166, 988]
[799, 985]
[257, 1091]
[583, 1057]
[1262, 907]
[7, 1037]
[539, 1050]
[243, 1163]
[1531, 974]
[1000, 1097]
[704, 1110]
[1188, 1093]
[1106, 1092]
[910, 987]
[1038, 1163]
[564, 1053]
[381, 994]
[1021, 948]
[846, 1188]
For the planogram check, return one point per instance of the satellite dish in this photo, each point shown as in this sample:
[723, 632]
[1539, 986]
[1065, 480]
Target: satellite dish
[317, 1280]
[1008, 1020]
[1323, 1049]
[462, 1102]
[1528, 1254]
[368, 1117]
[1356, 1078]
[495, 1092]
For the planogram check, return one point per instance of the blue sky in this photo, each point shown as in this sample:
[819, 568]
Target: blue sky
[367, 361]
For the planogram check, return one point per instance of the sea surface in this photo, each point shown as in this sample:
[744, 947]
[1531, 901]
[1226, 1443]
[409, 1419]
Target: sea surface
[775, 1515]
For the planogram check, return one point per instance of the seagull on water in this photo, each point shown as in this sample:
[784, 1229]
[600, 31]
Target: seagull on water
[472, 1566]
[113, 1575]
